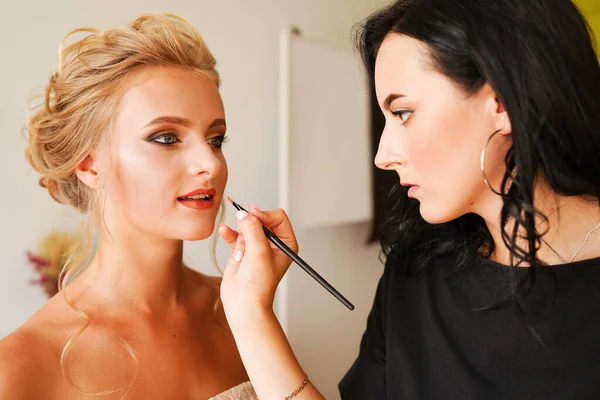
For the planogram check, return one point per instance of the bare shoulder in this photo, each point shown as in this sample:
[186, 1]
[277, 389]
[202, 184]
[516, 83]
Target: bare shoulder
[199, 278]
[208, 296]
[30, 356]
[205, 284]
[213, 329]
[23, 356]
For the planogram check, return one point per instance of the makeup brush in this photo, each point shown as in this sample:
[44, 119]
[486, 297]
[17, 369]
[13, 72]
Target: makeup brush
[283, 247]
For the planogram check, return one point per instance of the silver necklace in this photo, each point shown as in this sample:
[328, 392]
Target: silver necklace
[578, 250]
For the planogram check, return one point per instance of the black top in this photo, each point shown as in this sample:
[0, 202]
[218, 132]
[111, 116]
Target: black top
[426, 340]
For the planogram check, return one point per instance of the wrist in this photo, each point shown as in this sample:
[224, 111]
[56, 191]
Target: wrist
[249, 316]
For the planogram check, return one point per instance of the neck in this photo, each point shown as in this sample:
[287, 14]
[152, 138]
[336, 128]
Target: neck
[569, 219]
[144, 274]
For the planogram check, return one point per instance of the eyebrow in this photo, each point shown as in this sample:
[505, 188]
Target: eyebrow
[390, 98]
[217, 122]
[183, 121]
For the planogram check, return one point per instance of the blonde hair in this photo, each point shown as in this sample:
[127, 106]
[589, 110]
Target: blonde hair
[79, 102]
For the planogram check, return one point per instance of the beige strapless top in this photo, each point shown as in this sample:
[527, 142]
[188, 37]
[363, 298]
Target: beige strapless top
[243, 391]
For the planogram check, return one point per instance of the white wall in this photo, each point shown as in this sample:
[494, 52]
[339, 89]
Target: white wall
[243, 36]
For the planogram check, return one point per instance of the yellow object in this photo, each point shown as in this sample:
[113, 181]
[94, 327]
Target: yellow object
[591, 10]
[54, 251]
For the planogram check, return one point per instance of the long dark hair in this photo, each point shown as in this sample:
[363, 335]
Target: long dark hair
[539, 57]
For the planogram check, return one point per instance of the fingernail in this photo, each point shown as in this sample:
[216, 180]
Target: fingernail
[253, 206]
[241, 215]
[238, 256]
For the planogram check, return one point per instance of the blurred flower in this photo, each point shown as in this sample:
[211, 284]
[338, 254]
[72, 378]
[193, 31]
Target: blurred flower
[54, 251]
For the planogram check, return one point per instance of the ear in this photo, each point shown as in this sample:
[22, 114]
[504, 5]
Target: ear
[497, 111]
[87, 170]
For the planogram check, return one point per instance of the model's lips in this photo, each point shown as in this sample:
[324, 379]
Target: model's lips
[197, 204]
[199, 199]
[199, 194]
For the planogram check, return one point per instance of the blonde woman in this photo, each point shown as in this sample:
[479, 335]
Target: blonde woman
[130, 133]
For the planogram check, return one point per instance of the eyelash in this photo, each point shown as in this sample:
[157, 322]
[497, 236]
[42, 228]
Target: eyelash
[220, 140]
[400, 113]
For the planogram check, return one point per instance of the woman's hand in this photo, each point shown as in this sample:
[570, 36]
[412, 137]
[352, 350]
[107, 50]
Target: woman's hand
[248, 289]
[256, 266]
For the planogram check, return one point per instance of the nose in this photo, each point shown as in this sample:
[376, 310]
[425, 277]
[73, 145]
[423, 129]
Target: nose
[205, 161]
[389, 153]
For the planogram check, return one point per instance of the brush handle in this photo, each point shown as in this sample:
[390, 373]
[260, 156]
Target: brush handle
[303, 264]
[296, 258]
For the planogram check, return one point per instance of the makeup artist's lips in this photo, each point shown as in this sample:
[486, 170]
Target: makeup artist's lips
[412, 189]
[200, 199]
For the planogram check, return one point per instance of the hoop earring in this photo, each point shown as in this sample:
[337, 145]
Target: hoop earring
[485, 179]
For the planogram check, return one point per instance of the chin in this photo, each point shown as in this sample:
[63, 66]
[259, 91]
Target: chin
[435, 214]
[195, 235]
[190, 231]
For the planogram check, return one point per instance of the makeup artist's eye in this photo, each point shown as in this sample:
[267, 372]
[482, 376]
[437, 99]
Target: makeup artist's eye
[166, 138]
[403, 114]
[217, 141]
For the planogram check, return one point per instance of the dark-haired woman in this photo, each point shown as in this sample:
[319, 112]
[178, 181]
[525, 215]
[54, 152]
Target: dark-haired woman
[491, 288]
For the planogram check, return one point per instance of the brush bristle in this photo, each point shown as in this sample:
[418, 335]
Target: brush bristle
[229, 198]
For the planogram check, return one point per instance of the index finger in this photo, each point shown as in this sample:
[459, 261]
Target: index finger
[278, 222]
[252, 229]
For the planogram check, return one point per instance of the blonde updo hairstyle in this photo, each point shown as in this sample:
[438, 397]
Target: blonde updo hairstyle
[82, 98]
[83, 94]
